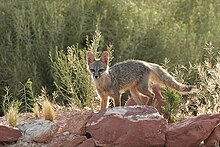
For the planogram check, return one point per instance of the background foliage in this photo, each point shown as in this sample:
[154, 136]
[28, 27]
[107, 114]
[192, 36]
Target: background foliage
[150, 30]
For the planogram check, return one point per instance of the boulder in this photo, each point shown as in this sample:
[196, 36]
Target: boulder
[73, 121]
[88, 143]
[38, 130]
[191, 132]
[66, 140]
[9, 134]
[128, 126]
[214, 138]
[71, 140]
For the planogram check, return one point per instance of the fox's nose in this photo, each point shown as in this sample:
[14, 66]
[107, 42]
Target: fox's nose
[96, 76]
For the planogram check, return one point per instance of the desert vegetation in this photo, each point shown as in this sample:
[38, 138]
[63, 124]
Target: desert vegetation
[43, 45]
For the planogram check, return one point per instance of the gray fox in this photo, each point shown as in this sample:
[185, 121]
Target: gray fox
[133, 75]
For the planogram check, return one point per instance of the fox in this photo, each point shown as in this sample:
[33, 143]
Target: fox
[135, 76]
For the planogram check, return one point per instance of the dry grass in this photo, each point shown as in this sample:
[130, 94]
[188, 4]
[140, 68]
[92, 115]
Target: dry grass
[12, 116]
[36, 111]
[48, 110]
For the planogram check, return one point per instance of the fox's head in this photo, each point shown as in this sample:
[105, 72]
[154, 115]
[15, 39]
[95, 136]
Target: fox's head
[97, 66]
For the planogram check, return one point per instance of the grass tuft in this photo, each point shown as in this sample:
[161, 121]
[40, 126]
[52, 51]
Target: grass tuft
[12, 116]
[48, 110]
[36, 111]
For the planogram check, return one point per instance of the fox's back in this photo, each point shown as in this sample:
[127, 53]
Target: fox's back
[128, 72]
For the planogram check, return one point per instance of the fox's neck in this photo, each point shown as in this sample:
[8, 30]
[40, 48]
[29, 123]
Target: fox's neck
[103, 81]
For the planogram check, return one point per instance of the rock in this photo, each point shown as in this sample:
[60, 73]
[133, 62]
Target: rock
[191, 132]
[9, 134]
[38, 130]
[88, 143]
[128, 126]
[69, 140]
[73, 121]
[214, 139]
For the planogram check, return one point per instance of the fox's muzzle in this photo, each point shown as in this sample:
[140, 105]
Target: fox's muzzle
[96, 75]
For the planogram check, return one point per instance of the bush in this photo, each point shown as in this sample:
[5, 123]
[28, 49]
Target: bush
[72, 79]
[209, 79]
[205, 75]
[173, 102]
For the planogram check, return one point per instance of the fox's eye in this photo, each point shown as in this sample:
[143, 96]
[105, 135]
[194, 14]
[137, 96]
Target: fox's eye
[92, 70]
[101, 70]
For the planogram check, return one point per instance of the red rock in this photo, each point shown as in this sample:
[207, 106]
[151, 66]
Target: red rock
[9, 134]
[73, 121]
[128, 126]
[191, 132]
[214, 139]
[69, 140]
[87, 143]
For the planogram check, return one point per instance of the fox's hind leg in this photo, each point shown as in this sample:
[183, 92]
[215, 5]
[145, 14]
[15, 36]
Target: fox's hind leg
[143, 87]
[137, 97]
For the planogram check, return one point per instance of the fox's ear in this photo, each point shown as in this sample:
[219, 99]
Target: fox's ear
[105, 57]
[90, 57]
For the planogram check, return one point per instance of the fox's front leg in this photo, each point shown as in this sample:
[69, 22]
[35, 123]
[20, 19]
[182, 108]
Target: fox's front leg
[117, 99]
[104, 102]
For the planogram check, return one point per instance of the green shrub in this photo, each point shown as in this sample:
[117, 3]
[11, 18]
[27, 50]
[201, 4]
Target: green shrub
[173, 102]
[26, 96]
[71, 77]
[209, 79]
[6, 100]
[205, 75]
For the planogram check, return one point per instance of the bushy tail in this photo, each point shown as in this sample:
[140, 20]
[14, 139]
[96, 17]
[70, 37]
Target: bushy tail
[161, 75]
